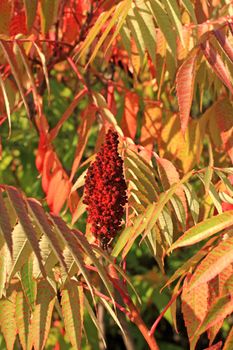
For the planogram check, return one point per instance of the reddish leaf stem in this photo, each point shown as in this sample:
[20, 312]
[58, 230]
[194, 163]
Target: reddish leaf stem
[154, 326]
[134, 312]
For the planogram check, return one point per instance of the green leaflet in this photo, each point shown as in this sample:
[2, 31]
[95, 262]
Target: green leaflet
[10, 57]
[3, 264]
[48, 256]
[204, 230]
[218, 312]
[42, 314]
[125, 36]
[179, 210]
[72, 309]
[174, 15]
[32, 235]
[21, 251]
[7, 103]
[213, 194]
[31, 7]
[129, 234]
[48, 14]
[112, 314]
[164, 24]
[192, 201]
[125, 6]
[94, 319]
[42, 222]
[145, 21]
[136, 33]
[71, 243]
[22, 317]
[229, 341]
[120, 12]
[143, 167]
[95, 30]
[28, 282]
[226, 181]
[189, 7]
[166, 225]
[5, 224]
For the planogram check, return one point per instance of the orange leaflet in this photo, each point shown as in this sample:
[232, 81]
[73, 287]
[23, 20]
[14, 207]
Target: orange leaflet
[129, 120]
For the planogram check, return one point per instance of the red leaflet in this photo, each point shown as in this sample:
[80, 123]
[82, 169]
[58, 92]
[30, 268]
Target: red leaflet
[105, 190]
[184, 87]
[18, 24]
[227, 206]
[224, 116]
[224, 42]
[216, 63]
[217, 346]
[55, 182]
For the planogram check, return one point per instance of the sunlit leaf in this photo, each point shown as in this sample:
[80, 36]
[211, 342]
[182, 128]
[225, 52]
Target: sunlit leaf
[164, 24]
[218, 259]
[204, 230]
[22, 317]
[184, 87]
[129, 119]
[192, 200]
[28, 283]
[42, 315]
[72, 310]
[7, 317]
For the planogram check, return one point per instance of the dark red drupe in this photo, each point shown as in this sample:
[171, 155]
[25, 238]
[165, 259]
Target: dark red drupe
[105, 190]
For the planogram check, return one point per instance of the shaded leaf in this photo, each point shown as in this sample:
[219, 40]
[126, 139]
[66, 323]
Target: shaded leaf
[121, 11]
[216, 64]
[45, 227]
[54, 132]
[48, 14]
[5, 225]
[224, 42]
[7, 50]
[31, 7]
[7, 103]
[32, 236]
[71, 242]
[229, 341]
[88, 118]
